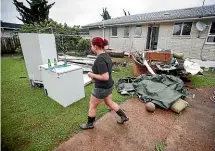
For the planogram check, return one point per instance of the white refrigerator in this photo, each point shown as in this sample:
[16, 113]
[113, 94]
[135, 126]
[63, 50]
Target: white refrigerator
[37, 49]
[64, 84]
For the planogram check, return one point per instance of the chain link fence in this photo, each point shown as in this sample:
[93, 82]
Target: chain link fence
[73, 45]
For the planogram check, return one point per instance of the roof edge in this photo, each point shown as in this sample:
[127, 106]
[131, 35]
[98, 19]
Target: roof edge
[147, 22]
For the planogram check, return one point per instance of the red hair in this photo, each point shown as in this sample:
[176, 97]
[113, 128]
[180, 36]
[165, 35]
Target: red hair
[98, 41]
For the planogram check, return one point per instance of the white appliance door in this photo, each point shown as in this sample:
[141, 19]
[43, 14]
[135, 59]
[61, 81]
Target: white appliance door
[31, 51]
[47, 47]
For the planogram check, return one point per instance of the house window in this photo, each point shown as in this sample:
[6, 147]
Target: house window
[126, 31]
[182, 29]
[114, 31]
[138, 30]
[211, 34]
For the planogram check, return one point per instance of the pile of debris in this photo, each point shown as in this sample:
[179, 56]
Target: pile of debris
[166, 62]
[162, 90]
[87, 62]
[159, 78]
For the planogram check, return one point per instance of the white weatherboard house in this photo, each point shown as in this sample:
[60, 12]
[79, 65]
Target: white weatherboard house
[171, 29]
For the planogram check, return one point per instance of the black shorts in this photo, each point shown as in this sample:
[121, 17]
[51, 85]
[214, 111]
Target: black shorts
[101, 93]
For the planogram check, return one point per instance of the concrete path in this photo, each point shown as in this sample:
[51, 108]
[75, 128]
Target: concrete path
[192, 130]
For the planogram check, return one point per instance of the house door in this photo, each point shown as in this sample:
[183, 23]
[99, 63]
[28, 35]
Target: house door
[152, 38]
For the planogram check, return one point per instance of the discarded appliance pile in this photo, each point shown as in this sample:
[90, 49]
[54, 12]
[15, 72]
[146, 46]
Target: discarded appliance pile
[163, 62]
[158, 79]
[62, 82]
[87, 62]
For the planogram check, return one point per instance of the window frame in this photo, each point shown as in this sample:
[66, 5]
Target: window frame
[138, 36]
[116, 31]
[208, 35]
[127, 36]
[182, 29]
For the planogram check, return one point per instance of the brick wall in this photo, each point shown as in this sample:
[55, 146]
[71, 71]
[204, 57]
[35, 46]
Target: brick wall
[95, 32]
[190, 46]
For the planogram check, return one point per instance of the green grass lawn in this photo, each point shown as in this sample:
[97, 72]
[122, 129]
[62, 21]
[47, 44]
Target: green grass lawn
[207, 79]
[33, 121]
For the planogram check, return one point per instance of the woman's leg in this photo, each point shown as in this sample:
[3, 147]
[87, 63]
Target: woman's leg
[114, 106]
[94, 102]
[109, 102]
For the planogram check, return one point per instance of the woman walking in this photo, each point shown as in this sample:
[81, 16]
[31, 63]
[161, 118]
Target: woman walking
[104, 83]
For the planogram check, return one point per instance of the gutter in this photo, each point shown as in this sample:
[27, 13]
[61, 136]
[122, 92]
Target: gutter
[9, 28]
[150, 22]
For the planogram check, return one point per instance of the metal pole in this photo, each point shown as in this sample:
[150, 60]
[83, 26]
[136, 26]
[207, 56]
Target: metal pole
[52, 30]
[103, 30]
[150, 44]
[203, 3]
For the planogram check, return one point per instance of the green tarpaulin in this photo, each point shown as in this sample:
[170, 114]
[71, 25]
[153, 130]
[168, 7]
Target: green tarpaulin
[162, 90]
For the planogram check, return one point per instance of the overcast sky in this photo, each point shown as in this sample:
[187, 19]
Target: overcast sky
[82, 12]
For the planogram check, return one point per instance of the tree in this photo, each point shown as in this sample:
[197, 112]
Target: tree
[105, 14]
[66, 37]
[83, 46]
[50, 26]
[126, 13]
[38, 11]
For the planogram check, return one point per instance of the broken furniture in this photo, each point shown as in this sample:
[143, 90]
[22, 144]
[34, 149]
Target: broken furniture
[138, 66]
[163, 56]
[63, 83]
[161, 62]
[37, 49]
[115, 53]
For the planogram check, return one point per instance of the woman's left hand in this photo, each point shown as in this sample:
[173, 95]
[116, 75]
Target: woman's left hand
[90, 74]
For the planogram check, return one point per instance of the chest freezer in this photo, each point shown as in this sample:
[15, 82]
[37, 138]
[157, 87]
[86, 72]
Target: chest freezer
[64, 84]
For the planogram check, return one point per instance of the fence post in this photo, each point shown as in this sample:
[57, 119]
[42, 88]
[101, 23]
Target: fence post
[5, 45]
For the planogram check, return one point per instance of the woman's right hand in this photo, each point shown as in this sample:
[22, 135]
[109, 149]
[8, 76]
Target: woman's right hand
[90, 75]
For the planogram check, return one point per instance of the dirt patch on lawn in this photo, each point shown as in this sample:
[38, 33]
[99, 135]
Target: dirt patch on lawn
[193, 129]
